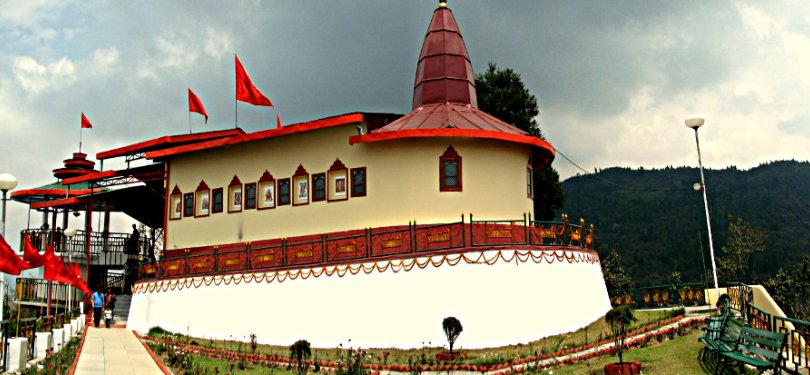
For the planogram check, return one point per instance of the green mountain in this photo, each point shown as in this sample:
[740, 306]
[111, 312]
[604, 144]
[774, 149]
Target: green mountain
[657, 222]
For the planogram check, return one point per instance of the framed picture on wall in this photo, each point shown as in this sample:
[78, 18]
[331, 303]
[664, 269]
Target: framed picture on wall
[175, 204]
[203, 203]
[235, 195]
[300, 186]
[338, 181]
[303, 189]
[202, 200]
[266, 195]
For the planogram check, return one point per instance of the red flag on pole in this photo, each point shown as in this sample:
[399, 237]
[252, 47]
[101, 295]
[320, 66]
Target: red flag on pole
[9, 261]
[245, 90]
[195, 105]
[76, 275]
[85, 122]
[278, 121]
[54, 267]
[31, 254]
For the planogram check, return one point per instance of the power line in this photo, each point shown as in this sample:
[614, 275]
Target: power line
[625, 187]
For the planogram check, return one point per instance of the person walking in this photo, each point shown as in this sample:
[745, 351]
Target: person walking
[110, 298]
[98, 305]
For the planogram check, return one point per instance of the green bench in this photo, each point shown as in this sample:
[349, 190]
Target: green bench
[721, 334]
[758, 348]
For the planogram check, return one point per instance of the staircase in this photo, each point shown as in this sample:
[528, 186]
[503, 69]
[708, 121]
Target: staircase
[121, 311]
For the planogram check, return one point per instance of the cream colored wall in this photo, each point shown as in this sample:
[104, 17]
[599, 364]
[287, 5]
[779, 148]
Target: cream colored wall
[402, 185]
[495, 301]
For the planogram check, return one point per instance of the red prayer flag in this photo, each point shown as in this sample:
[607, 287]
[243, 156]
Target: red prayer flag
[195, 105]
[85, 122]
[245, 90]
[31, 254]
[278, 121]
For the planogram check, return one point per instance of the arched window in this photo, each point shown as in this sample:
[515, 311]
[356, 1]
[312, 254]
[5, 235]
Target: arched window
[450, 170]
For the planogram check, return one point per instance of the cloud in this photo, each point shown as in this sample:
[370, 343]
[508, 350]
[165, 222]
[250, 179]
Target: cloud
[105, 59]
[217, 43]
[36, 78]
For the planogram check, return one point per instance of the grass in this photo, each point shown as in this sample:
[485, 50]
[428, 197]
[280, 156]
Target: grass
[594, 332]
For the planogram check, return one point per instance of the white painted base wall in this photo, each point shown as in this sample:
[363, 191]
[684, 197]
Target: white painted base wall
[497, 304]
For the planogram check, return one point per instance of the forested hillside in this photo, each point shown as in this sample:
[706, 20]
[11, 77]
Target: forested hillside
[658, 232]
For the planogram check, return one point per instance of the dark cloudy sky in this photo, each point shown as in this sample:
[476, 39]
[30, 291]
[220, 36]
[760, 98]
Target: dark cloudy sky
[614, 79]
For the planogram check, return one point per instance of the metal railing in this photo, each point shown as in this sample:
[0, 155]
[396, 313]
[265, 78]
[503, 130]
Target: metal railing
[689, 294]
[796, 356]
[100, 243]
[368, 243]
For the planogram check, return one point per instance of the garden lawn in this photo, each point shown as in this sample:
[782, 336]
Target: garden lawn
[680, 355]
[594, 332]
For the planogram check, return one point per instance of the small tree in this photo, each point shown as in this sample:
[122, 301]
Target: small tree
[452, 328]
[298, 352]
[734, 263]
[619, 319]
[615, 275]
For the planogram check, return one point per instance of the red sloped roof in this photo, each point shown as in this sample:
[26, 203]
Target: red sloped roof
[263, 134]
[449, 116]
[167, 141]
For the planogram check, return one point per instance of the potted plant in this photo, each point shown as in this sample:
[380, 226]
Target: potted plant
[619, 319]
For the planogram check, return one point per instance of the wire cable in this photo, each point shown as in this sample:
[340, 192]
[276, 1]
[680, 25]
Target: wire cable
[617, 184]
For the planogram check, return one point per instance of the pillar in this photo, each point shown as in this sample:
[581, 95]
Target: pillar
[17, 354]
[58, 337]
[44, 343]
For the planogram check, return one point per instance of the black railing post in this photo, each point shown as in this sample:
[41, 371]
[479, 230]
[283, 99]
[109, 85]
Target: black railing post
[525, 229]
[412, 236]
[248, 263]
[463, 232]
[187, 268]
[472, 231]
[368, 241]
[324, 253]
[284, 251]
[216, 263]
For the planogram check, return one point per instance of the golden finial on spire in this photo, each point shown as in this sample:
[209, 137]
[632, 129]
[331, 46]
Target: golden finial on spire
[442, 3]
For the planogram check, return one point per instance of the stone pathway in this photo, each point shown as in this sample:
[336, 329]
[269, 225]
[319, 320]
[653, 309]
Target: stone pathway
[114, 351]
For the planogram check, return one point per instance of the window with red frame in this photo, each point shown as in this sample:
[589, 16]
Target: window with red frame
[358, 182]
[530, 181]
[188, 205]
[217, 200]
[318, 187]
[283, 191]
[450, 170]
[250, 195]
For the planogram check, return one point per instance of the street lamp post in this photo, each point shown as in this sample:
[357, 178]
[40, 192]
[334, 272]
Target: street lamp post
[695, 123]
[69, 233]
[7, 182]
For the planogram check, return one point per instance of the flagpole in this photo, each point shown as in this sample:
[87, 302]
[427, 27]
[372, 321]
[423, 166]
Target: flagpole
[80, 139]
[189, 122]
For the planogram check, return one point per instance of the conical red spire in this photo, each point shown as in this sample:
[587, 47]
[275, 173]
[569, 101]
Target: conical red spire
[444, 73]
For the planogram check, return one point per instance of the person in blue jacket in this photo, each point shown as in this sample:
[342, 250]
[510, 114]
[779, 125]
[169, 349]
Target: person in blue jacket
[98, 305]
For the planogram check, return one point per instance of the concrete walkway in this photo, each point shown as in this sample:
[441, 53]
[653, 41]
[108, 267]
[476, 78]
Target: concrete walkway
[114, 351]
